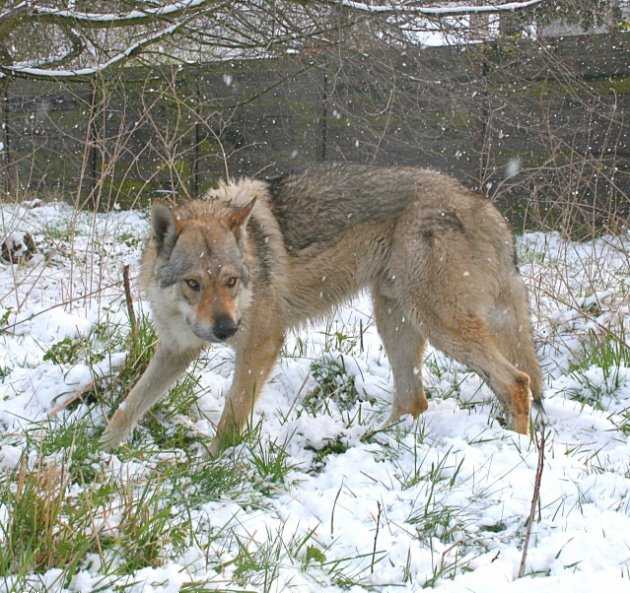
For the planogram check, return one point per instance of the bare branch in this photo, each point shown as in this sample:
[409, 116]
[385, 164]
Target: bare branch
[14, 12]
[99, 20]
[78, 45]
[436, 11]
[84, 73]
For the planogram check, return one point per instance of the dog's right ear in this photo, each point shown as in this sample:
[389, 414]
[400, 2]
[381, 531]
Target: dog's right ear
[163, 224]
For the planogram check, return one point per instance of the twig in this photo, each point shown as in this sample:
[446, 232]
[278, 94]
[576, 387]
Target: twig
[77, 395]
[535, 500]
[129, 301]
[64, 303]
[378, 525]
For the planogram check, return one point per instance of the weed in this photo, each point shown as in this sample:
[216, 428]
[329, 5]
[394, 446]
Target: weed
[260, 566]
[59, 233]
[210, 480]
[75, 440]
[46, 525]
[140, 346]
[609, 356]
[131, 241]
[147, 526]
[336, 446]
[4, 318]
[65, 351]
[334, 383]
[181, 401]
[271, 462]
[608, 353]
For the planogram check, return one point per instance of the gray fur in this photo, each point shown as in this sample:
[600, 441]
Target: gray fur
[163, 226]
[345, 196]
[263, 251]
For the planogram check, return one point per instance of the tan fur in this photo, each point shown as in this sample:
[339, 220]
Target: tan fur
[437, 258]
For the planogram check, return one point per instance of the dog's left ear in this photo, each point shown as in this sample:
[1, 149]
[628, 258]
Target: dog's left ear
[239, 215]
[163, 224]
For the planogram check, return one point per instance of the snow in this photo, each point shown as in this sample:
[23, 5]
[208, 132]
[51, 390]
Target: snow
[131, 17]
[438, 10]
[456, 461]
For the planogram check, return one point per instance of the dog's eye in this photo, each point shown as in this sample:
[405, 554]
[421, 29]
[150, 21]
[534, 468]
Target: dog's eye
[193, 284]
[231, 283]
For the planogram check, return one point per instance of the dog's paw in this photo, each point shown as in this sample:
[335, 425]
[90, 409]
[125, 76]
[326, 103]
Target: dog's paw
[112, 438]
[214, 450]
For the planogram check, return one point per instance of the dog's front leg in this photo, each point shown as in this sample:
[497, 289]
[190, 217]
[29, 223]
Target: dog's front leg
[165, 368]
[255, 356]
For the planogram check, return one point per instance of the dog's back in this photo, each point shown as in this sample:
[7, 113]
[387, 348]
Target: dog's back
[317, 205]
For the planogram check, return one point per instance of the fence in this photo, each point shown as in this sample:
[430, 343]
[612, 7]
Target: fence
[533, 125]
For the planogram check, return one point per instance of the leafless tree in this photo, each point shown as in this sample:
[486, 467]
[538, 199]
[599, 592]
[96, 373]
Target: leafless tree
[78, 39]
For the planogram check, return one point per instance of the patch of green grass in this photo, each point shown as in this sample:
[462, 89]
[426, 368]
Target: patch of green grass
[334, 383]
[76, 441]
[260, 566]
[271, 462]
[4, 373]
[4, 318]
[140, 344]
[608, 353]
[442, 470]
[210, 479]
[341, 338]
[65, 351]
[48, 526]
[147, 526]
[63, 233]
[180, 401]
[336, 446]
[131, 241]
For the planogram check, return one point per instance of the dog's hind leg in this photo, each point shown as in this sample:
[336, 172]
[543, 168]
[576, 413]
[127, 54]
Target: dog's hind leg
[514, 335]
[256, 354]
[164, 369]
[470, 342]
[404, 345]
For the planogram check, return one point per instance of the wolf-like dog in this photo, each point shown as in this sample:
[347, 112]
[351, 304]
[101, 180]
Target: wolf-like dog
[255, 258]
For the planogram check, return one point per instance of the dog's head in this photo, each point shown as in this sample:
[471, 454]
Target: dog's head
[201, 263]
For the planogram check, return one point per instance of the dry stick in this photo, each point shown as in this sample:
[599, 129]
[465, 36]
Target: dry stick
[378, 525]
[535, 500]
[79, 394]
[129, 301]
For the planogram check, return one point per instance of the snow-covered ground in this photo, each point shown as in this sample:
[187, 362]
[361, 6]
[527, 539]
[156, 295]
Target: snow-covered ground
[316, 499]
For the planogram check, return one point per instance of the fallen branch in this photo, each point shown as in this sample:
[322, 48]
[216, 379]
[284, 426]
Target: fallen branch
[76, 396]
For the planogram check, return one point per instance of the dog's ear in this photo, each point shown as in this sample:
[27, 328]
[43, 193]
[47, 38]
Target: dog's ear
[163, 224]
[238, 215]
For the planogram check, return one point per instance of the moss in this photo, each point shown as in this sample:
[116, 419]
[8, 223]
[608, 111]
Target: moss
[618, 86]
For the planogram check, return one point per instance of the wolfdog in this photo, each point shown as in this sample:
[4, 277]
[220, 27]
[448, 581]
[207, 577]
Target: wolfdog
[255, 258]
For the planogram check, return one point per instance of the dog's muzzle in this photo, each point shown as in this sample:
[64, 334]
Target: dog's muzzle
[223, 329]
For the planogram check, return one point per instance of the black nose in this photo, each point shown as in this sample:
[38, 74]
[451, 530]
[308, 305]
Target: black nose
[224, 328]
